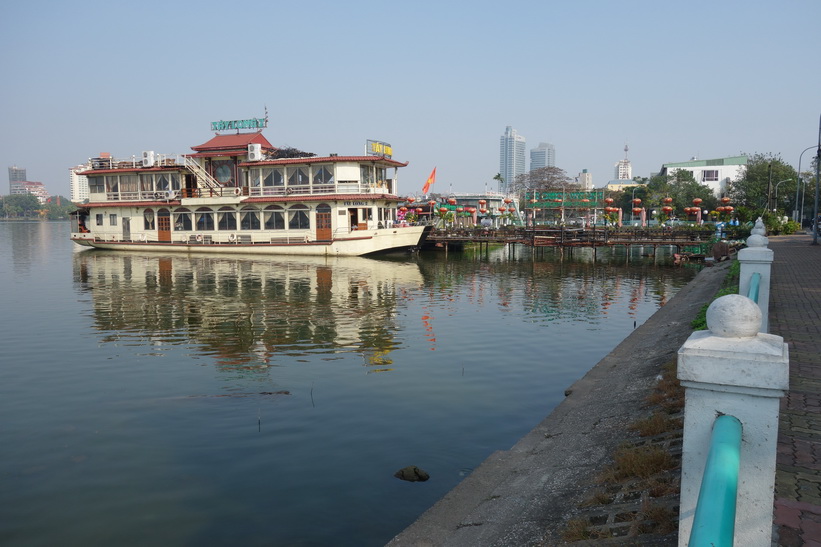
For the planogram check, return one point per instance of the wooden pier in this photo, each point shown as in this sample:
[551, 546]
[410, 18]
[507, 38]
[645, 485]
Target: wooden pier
[564, 237]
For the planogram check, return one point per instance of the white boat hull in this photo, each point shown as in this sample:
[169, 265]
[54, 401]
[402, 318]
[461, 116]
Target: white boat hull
[358, 244]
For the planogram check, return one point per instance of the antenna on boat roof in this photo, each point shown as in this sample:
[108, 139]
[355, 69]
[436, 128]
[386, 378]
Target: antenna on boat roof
[266, 118]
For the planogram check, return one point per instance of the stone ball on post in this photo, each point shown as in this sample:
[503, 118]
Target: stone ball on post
[734, 316]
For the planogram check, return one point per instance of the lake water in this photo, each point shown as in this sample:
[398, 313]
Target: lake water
[198, 400]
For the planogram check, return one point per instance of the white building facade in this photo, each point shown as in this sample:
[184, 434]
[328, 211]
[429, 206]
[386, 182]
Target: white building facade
[715, 173]
[78, 184]
[512, 148]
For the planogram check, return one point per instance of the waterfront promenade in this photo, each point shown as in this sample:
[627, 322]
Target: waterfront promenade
[528, 494]
[795, 314]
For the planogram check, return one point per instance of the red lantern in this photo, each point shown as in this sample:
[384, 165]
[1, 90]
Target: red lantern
[725, 200]
[443, 210]
[668, 200]
[667, 209]
[608, 200]
[729, 209]
[452, 201]
[720, 209]
[482, 202]
[419, 210]
[411, 200]
[636, 210]
[403, 209]
[697, 201]
[507, 200]
[431, 203]
[460, 209]
[483, 211]
[636, 201]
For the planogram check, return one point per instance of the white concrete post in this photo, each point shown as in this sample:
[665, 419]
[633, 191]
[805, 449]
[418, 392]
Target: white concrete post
[734, 369]
[757, 258]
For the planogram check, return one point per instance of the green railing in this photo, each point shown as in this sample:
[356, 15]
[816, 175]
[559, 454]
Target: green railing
[755, 283]
[714, 521]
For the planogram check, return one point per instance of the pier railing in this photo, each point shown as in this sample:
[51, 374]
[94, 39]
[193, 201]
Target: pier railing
[734, 374]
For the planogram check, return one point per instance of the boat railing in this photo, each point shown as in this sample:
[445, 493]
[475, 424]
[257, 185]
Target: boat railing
[134, 162]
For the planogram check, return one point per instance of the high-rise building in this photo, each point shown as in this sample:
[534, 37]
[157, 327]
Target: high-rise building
[512, 148]
[543, 155]
[623, 169]
[78, 184]
[585, 180]
[16, 174]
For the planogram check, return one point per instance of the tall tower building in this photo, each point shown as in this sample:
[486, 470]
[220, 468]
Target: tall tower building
[511, 157]
[78, 184]
[16, 174]
[543, 155]
[623, 169]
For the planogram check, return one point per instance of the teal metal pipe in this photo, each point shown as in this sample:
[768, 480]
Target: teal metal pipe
[755, 283]
[714, 521]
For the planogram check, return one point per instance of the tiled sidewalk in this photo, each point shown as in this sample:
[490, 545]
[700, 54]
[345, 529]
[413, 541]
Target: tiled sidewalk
[795, 314]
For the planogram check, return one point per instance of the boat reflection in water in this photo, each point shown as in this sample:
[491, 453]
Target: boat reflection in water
[248, 312]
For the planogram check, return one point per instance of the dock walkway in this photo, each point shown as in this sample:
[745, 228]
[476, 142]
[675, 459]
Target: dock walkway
[795, 314]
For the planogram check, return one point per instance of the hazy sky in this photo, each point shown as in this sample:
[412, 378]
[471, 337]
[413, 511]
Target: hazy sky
[439, 81]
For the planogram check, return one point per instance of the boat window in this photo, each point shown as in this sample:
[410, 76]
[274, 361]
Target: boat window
[297, 176]
[175, 181]
[323, 174]
[366, 174]
[226, 219]
[99, 219]
[381, 176]
[112, 183]
[205, 218]
[323, 208]
[162, 182]
[298, 218]
[128, 183]
[249, 219]
[112, 219]
[96, 185]
[274, 219]
[148, 219]
[182, 220]
[146, 183]
[269, 177]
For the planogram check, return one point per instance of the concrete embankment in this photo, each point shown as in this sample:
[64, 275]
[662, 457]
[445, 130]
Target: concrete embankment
[527, 494]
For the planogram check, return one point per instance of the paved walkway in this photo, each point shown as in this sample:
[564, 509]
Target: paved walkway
[795, 314]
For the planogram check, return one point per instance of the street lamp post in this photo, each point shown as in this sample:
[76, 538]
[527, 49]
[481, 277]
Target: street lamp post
[775, 204]
[798, 213]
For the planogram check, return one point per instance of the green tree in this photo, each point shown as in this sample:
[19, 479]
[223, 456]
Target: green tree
[756, 187]
[20, 206]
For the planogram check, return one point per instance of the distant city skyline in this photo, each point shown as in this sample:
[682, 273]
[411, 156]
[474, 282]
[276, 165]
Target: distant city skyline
[596, 96]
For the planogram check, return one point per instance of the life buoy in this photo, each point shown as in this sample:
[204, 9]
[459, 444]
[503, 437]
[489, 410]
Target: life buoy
[199, 237]
[289, 190]
[232, 237]
[237, 191]
[143, 237]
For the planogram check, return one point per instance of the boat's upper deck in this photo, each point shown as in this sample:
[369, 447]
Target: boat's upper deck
[238, 167]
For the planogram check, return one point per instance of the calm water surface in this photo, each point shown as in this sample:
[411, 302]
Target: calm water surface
[197, 400]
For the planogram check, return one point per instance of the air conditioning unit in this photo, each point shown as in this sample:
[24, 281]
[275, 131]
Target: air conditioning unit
[254, 152]
[148, 158]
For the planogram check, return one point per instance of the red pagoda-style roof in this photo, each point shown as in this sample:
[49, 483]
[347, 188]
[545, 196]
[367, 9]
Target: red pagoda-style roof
[231, 144]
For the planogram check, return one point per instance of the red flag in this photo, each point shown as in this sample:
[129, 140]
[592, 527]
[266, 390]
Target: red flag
[431, 180]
